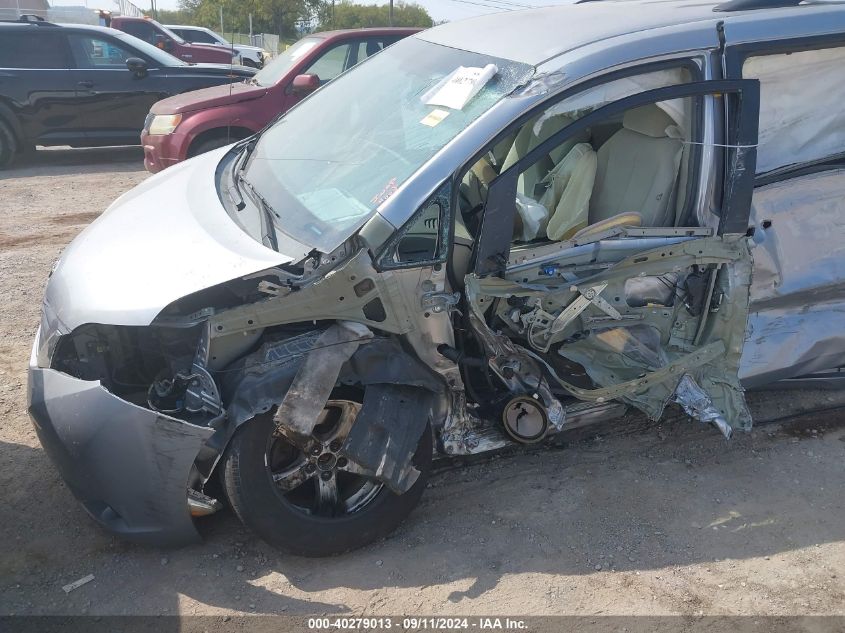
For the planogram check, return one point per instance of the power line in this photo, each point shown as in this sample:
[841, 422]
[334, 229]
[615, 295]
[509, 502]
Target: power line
[481, 4]
[517, 4]
[504, 5]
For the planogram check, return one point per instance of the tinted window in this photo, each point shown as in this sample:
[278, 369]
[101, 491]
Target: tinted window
[33, 48]
[141, 30]
[369, 47]
[99, 52]
[200, 37]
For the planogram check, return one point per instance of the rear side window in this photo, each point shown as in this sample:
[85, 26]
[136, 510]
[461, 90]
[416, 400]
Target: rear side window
[35, 48]
[200, 37]
[99, 52]
[142, 30]
[801, 115]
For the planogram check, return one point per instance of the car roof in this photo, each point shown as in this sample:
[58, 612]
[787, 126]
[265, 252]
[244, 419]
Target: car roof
[533, 36]
[344, 33]
[48, 27]
[186, 26]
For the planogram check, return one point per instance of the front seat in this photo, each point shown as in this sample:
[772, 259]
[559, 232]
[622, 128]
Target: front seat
[528, 138]
[638, 169]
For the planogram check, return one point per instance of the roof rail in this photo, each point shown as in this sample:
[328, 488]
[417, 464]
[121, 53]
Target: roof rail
[750, 5]
[29, 18]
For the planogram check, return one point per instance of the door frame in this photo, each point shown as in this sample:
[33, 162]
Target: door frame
[742, 100]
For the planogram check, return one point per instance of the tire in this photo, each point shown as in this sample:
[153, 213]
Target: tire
[282, 519]
[8, 144]
[212, 143]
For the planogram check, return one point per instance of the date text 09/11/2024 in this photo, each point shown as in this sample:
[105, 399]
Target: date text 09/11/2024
[417, 623]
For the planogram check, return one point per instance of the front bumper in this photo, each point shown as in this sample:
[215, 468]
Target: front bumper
[127, 465]
[163, 150]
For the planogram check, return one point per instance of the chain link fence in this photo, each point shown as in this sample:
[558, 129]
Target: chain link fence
[267, 41]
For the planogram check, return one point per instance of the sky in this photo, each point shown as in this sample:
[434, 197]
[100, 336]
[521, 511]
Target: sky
[438, 9]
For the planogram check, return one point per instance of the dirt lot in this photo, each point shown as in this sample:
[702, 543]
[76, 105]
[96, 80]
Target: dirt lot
[627, 518]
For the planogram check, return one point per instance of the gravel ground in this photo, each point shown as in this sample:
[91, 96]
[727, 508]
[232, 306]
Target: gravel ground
[625, 518]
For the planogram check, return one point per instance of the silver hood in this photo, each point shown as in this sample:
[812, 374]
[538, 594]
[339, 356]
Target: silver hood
[168, 237]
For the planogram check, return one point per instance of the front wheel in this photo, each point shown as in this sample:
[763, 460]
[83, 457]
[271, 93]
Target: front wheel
[314, 504]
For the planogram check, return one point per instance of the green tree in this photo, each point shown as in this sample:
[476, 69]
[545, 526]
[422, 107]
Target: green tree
[268, 16]
[166, 16]
[348, 15]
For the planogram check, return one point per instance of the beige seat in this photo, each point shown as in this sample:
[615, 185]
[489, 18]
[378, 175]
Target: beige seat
[638, 169]
[569, 189]
[526, 140]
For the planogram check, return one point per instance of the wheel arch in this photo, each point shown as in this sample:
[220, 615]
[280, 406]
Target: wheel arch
[8, 116]
[253, 386]
[233, 132]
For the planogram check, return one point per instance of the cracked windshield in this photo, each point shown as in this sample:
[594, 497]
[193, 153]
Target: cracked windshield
[352, 144]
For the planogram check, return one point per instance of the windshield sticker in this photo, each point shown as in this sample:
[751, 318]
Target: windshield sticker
[385, 193]
[434, 117]
[459, 86]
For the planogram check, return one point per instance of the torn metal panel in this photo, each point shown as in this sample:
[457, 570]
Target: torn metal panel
[699, 405]
[797, 296]
[385, 434]
[384, 361]
[262, 378]
[314, 381]
[635, 353]
[354, 291]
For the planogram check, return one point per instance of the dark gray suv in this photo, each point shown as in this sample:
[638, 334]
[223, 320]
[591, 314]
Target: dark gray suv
[86, 86]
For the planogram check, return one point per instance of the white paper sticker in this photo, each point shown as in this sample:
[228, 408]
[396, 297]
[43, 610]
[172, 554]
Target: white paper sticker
[459, 86]
[434, 117]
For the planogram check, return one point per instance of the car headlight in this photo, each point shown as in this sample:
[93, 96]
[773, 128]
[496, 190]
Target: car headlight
[164, 123]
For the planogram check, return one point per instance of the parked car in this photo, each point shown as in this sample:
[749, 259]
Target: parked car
[161, 37]
[493, 231]
[254, 56]
[86, 86]
[214, 118]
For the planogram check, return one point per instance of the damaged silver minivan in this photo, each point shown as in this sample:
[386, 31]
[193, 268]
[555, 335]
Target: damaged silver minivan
[491, 231]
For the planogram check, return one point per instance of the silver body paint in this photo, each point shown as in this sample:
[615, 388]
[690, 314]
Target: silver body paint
[171, 237]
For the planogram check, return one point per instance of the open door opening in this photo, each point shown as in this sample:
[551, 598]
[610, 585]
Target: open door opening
[630, 303]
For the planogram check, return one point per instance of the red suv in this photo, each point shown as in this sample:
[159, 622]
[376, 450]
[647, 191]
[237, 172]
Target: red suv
[158, 35]
[195, 122]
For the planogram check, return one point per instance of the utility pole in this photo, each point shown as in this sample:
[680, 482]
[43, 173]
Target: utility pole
[390, 18]
[221, 21]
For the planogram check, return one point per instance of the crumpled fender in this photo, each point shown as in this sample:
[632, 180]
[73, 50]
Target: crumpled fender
[315, 361]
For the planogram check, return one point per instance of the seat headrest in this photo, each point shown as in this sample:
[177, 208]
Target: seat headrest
[648, 120]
